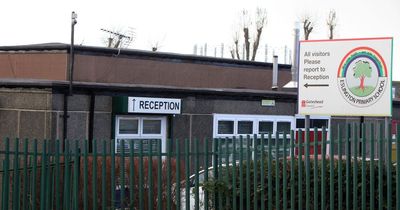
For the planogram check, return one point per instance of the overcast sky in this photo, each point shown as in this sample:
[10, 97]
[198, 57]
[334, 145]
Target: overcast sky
[177, 25]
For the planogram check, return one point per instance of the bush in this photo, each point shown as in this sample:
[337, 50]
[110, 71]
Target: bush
[221, 189]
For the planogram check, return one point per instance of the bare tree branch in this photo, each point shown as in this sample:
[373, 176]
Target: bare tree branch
[232, 51]
[236, 42]
[261, 21]
[246, 42]
[331, 22]
[250, 42]
[246, 24]
[308, 26]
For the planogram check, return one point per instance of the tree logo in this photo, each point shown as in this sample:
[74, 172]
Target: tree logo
[362, 77]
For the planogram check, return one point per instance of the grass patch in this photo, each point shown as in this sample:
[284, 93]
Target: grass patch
[360, 92]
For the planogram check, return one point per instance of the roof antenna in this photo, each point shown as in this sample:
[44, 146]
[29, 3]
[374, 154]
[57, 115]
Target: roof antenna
[119, 40]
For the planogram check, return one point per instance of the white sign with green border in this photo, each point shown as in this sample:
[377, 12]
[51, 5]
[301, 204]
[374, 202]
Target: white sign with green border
[346, 77]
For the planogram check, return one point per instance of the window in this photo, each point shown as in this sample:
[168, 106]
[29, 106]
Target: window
[151, 126]
[265, 127]
[245, 127]
[128, 126]
[283, 127]
[227, 126]
[141, 132]
[314, 123]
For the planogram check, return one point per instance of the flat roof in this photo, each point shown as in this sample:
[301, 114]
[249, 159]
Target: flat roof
[105, 51]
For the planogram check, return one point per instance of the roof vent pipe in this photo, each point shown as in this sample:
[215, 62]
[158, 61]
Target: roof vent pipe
[275, 73]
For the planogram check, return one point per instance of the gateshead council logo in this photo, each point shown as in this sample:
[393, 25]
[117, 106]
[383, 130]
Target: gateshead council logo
[362, 77]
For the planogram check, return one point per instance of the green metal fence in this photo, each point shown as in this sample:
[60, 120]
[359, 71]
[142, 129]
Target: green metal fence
[355, 170]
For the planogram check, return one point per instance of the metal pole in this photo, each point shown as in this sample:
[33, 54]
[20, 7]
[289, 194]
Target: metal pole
[387, 123]
[307, 122]
[72, 56]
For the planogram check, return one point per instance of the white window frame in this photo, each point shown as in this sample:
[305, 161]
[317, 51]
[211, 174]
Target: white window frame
[255, 119]
[140, 135]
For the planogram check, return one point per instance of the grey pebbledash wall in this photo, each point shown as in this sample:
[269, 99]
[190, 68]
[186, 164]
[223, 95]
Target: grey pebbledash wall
[38, 114]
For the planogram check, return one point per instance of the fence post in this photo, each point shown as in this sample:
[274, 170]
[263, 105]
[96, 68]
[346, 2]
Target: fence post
[308, 173]
[389, 165]
[323, 172]
[363, 170]
[348, 162]
[340, 168]
[196, 176]
[159, 181]
[206, 171]
[255, 165]
[227, 203]
[355, 166]
[331, 169]
[187, 174]
[397, 166]
[380, 166]
[34, 171]
[241, 202]
[178, 175]
[6, 176]
[284, 172]
[315, 201]
[168, 174]
[219, 178]
[76, 176]
[234, 184]
[26, 177]
[103, 177]
[300, 167]
[248, 156]
[141, 175]
[372, 167]
[132, 174]
[57, 175]
[94, 175]
[85, 175]
[43, 177]
[292, 172]
[122, 173]
[277, 176]
[16, 176]
[112, 180]
[150, 173]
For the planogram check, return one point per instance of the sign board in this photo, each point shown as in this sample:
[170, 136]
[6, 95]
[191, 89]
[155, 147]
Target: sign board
[267, 102]
[348, 77]
[154, 105]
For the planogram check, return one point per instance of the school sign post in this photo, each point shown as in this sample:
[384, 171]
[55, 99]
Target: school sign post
[346, 77]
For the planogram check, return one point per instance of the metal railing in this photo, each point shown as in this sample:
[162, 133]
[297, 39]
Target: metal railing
[354, 170]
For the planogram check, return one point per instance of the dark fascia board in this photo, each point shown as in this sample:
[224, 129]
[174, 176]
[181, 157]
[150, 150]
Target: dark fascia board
[126, 89]
[129, 53]
[35, 47]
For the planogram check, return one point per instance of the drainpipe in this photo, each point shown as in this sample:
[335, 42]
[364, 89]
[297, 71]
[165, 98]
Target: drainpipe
[65, 120]
[91, 121]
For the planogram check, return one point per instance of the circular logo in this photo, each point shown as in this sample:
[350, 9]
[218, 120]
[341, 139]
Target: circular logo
[362, 77]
